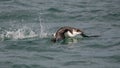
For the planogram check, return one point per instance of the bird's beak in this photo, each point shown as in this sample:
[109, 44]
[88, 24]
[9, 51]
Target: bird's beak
[83, 35]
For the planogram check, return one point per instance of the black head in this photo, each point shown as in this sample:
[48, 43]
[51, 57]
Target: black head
[84, 35]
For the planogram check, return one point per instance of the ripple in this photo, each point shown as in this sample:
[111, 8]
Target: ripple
[5, 0]
[19, 14]
[54, 10]
[74, 63]
[114, 58]
[5, 64]
[96, 46]
[112, 16]
[27, 66]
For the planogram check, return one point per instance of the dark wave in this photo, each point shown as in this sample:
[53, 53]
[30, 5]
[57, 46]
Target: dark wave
[27, 66]
[54, 10]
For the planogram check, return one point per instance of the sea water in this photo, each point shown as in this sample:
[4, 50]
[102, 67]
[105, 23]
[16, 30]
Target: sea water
[27, 26]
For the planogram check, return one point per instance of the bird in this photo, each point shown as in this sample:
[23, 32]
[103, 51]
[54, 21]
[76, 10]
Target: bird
[66, 31]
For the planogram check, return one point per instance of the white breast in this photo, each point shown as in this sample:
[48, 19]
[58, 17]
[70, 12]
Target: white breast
[73, 34]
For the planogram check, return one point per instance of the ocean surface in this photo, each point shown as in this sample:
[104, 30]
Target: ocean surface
[27, 27]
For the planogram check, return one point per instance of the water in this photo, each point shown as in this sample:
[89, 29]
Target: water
[26, 28]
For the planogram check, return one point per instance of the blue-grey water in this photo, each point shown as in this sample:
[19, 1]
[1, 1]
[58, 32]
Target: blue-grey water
[26, 28]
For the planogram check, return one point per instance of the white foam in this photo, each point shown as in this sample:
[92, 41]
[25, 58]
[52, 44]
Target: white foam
[25, 32]
[21, 33]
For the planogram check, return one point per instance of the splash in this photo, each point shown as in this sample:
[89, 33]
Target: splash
[42, 33]
[21, 33]
[24, 32]
[41, 27]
